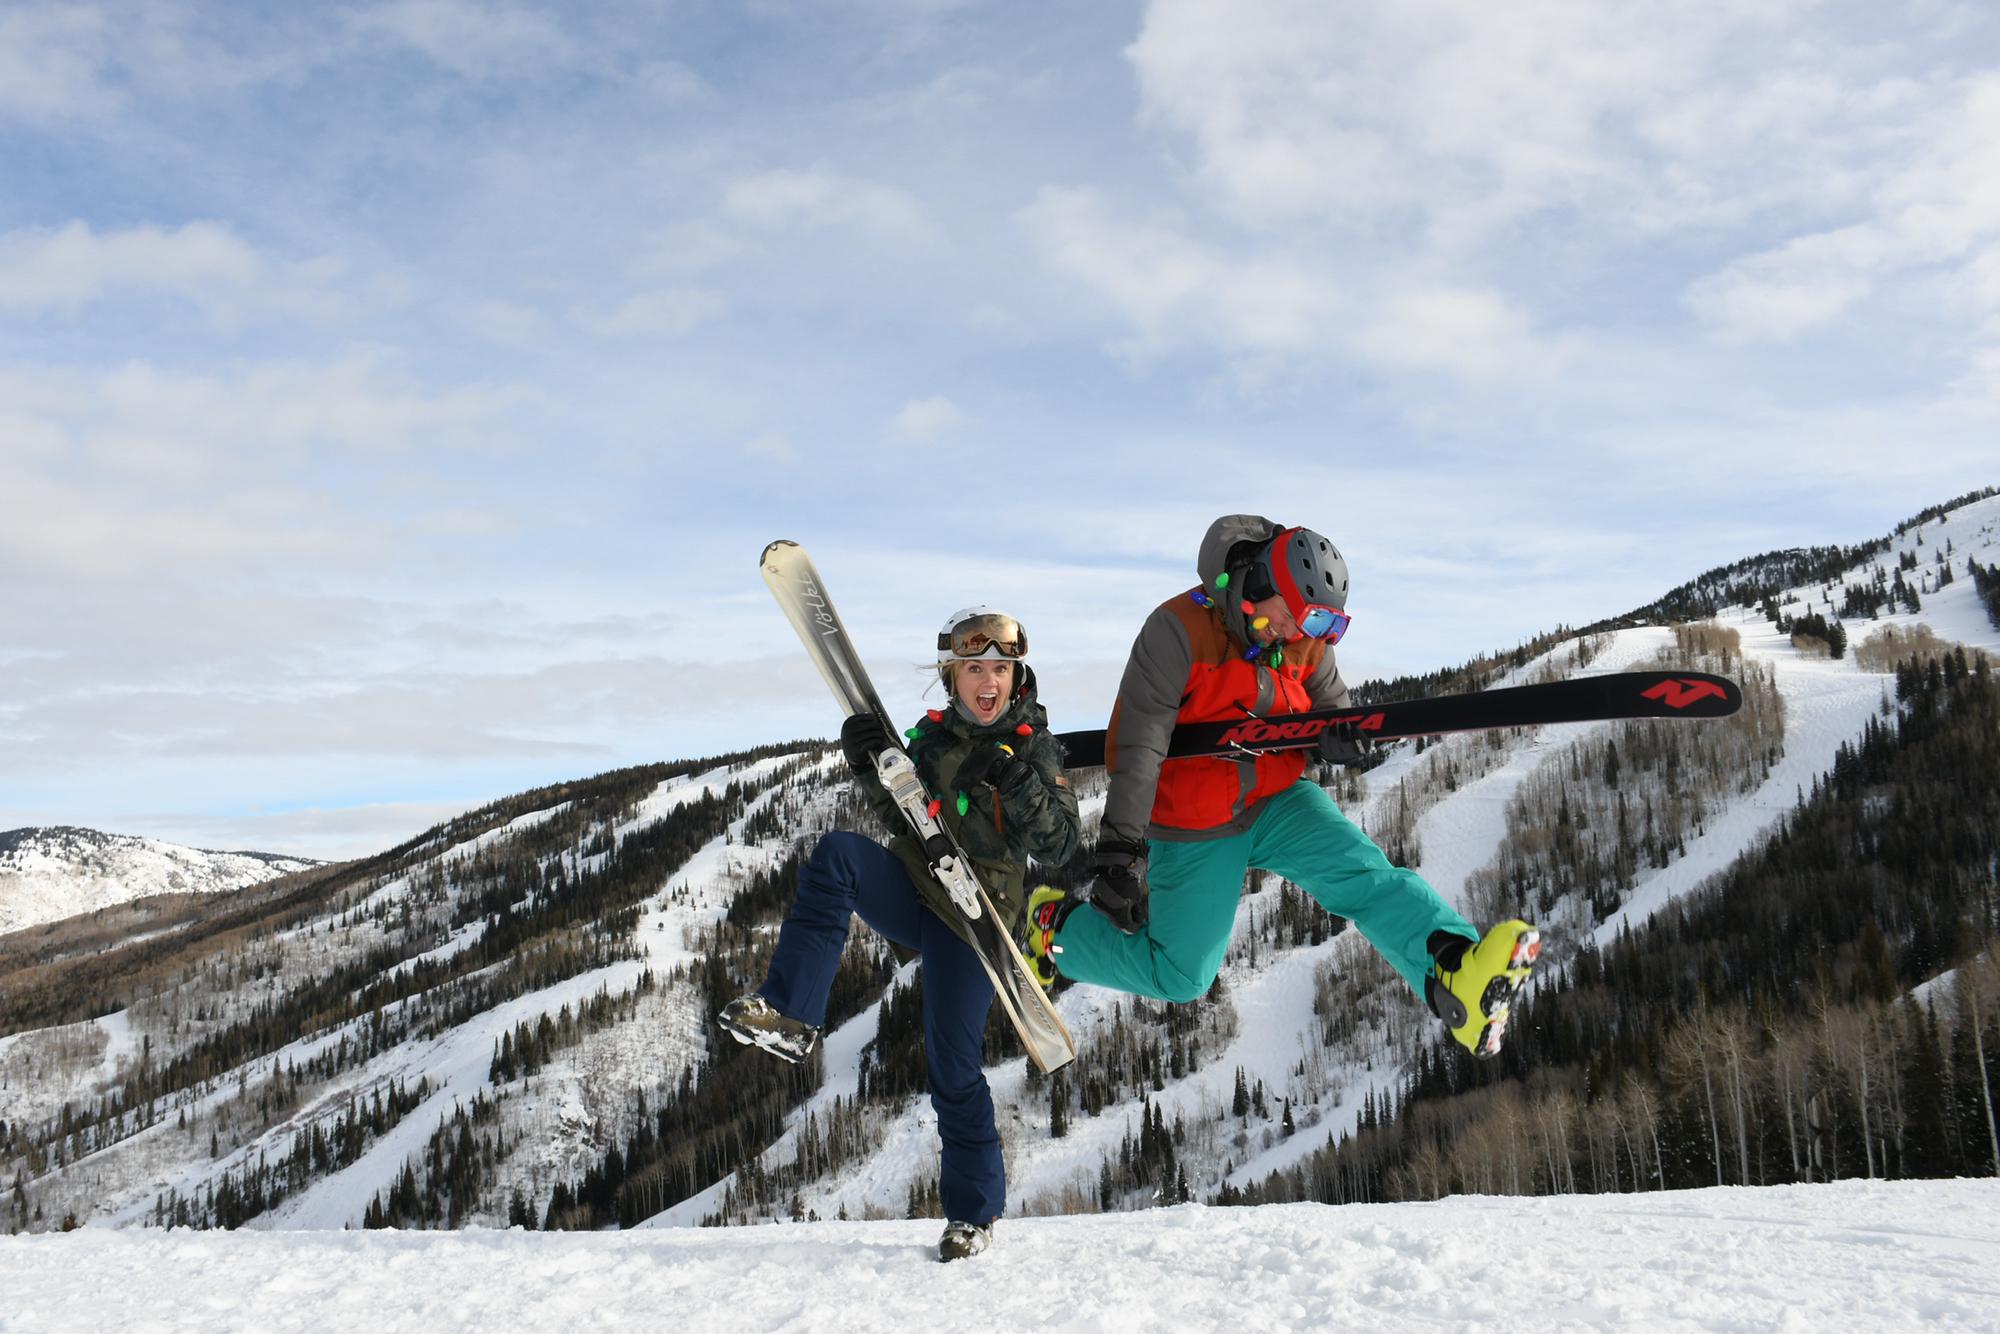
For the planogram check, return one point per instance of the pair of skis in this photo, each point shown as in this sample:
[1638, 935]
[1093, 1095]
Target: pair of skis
[1586, 699]
[799, 590]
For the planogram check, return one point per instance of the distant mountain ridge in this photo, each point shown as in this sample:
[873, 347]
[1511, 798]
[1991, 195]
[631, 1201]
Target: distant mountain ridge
[49, 872]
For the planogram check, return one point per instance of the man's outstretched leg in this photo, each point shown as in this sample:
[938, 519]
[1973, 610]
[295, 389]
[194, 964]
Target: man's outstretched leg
[1467, 981]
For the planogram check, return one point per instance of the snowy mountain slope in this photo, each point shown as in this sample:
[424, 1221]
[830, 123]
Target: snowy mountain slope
[1857, 1256]
[457, 1062]
[47, 874]
[171, 1147]
[1826, 704]
[573, 1115]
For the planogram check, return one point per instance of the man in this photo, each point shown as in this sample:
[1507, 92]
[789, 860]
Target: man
[1253, 639]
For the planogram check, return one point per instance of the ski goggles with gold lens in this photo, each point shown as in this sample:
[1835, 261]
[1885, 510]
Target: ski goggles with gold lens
[987, 636]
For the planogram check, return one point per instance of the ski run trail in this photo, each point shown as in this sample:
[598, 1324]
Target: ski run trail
[1849, 1256]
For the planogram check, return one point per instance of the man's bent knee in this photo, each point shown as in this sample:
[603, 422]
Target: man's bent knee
[1179, 988]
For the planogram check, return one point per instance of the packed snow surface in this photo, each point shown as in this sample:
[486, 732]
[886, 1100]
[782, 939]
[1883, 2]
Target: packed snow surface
[1853, 1255]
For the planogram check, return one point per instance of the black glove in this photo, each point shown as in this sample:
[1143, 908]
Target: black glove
[1119, 887]
[997, 767]
[1345, 744]
[863, 737]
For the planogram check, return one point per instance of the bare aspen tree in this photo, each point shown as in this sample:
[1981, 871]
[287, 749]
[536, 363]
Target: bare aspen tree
[1633, 1152]
[1564, 1106]
[1545, 1115]
[1860, 1028]
[1727, 1033]
[1688, 1058]
[1972, 988]
[1789, 1072]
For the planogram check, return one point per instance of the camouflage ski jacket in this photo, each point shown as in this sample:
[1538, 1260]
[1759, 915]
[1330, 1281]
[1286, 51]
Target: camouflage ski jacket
[999, 834]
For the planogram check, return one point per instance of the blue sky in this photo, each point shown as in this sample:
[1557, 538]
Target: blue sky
[394, 397]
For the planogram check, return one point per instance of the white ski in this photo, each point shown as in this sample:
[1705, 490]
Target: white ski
[789, 573]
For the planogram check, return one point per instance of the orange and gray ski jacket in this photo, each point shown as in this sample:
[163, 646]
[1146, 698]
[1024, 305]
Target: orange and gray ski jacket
[1186, 666]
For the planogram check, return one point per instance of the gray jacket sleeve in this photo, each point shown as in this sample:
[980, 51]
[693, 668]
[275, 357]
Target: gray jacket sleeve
[1324, 686]
[1149, 696]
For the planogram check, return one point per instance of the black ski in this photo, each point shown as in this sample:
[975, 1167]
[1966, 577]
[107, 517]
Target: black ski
[797, 586]
[1586, 699]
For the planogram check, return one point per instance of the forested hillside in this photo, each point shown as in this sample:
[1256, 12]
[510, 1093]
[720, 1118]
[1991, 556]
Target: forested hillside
[1765, 1029]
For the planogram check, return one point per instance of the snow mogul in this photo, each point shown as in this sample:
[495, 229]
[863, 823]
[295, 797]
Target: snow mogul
[1254, 639]
[992, 748]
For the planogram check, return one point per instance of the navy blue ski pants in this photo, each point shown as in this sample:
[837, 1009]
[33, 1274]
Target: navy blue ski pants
[848, 874]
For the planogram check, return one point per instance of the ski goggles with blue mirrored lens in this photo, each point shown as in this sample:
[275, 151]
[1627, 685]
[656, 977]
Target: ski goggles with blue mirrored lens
[1318, 622]
[988, 636]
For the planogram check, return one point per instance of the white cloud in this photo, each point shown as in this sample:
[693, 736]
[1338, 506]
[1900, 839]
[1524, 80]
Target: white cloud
[1977, 388]
[1439, 125]
[790, 200]
[1940, 213]
[24, 438]
[1173, 288]
[1782, 294]
[1454, 115]
[91, 62]
[1774, 166]
[675, 84]
[50, 62]
[673, 311]
[137, 468]
[923, 420]
[206, 263]
[1473, 334]
[471, 39]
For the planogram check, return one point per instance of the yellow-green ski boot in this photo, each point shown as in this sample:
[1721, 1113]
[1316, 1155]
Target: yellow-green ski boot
[1472, 985]
[1047, 906]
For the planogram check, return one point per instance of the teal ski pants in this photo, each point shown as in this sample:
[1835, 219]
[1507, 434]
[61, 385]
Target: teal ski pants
[1194, 888]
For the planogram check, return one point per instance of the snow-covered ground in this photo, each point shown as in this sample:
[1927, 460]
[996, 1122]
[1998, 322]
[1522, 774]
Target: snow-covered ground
[1850, 1256]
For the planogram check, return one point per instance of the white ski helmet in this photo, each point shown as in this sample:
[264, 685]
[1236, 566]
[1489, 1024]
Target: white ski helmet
[981, 632]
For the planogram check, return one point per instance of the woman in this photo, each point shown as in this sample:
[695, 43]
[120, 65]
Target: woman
[990, 758]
